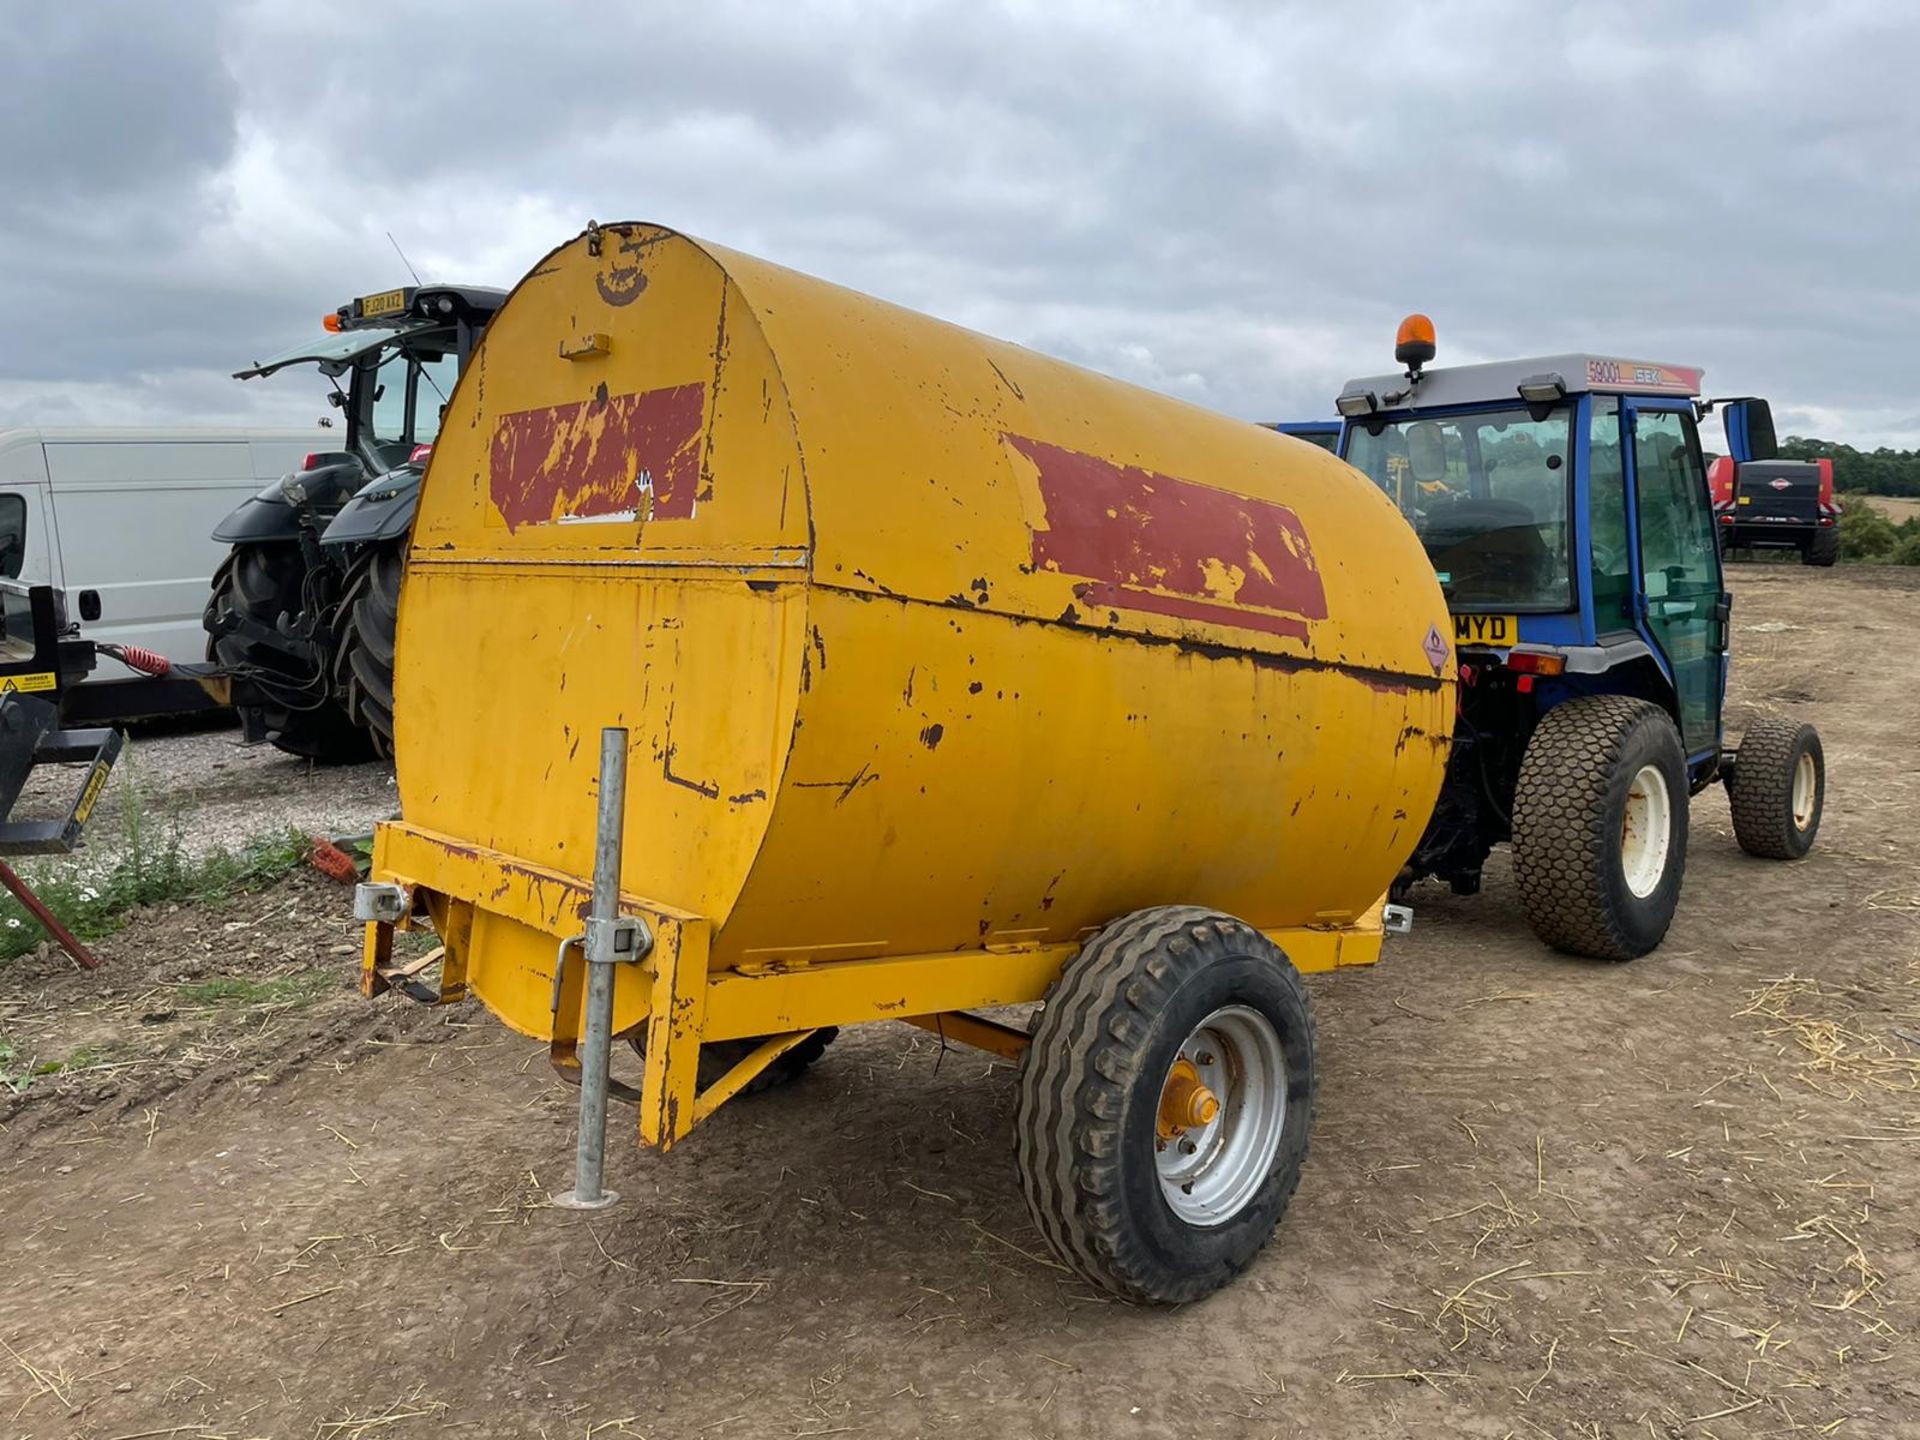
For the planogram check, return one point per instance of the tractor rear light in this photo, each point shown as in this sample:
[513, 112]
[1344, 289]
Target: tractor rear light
[1532, 662]
[311, 460]
[420, 454]
[1543, 389]
[1524, 684]
[1726, 517]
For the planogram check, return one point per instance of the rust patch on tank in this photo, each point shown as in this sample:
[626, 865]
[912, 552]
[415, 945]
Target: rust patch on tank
[1156, 543]
[595, 459]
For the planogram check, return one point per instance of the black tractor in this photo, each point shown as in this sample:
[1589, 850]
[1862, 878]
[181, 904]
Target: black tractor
[302, 615]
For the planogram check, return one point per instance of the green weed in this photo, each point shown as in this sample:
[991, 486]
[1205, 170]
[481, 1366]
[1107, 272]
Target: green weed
[300, 989]
[147, 866]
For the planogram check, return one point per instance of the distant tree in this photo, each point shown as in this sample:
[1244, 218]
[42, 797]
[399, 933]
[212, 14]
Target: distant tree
[1859, 472]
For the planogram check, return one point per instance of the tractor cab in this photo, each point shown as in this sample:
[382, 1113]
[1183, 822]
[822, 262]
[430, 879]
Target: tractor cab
[392, 359]
[1564, 504]
[301, 615]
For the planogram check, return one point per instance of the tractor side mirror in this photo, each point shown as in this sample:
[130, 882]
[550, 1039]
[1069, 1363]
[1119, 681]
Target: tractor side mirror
[1427, 452]
[1750, 430]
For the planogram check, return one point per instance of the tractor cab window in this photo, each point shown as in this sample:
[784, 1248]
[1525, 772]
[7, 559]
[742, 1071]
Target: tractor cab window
[411, 389]
[1487, 494]
[1611, 544]
[1680, 564]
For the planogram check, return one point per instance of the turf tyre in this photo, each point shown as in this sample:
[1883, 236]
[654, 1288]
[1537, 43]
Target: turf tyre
[1771, 819]
[1570, 819]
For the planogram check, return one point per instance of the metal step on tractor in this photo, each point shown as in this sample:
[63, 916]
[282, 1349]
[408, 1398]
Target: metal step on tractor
[300, 624]
[1565, 507]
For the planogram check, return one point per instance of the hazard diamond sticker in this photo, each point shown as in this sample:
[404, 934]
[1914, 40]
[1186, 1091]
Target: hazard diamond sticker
[1436, 647]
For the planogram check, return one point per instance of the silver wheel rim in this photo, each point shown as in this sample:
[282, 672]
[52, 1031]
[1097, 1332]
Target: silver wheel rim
[1646, 831]
[1806, 787]
[1210, 1172]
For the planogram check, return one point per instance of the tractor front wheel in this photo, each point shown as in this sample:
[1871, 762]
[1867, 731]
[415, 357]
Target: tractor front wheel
[1163, 1106]
[1778, 789]
[369, 617]
[1600, 826]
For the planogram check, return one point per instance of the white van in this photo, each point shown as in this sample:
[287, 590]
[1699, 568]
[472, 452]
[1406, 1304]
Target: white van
[121, 520]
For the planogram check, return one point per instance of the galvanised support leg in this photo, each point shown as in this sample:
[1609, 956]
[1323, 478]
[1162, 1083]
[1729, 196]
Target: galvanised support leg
[611, 940]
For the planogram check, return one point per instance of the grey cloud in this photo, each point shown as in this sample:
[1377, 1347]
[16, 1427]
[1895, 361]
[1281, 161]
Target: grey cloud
[1231, 202]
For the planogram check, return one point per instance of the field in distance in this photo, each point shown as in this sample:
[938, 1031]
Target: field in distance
[1895, 507]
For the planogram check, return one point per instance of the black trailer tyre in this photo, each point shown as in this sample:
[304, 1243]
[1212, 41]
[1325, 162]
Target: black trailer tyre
[1164, 1103]
[717, 1057]
[1779, 789]
[1824, 548]
[262, 581]
[1600, 826]
[369, 618]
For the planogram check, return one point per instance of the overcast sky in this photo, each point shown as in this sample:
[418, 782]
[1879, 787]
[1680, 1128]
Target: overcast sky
[1233, 203]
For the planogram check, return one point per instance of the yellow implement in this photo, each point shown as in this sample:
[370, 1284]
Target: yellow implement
[937, 656]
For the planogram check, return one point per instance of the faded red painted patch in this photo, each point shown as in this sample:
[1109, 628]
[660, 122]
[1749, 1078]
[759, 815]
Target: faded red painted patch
[1157, 543]
[598, 457]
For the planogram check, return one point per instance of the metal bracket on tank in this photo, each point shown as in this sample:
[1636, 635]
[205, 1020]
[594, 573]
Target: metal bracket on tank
[618, 941]
[1397, 919]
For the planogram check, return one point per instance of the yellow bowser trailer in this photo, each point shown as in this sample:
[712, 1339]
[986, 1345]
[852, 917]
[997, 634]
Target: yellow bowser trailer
[944, 676]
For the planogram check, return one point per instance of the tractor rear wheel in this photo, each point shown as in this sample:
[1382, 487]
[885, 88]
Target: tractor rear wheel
[1778, 789]
[1600, 826]
[368, 619]
[1824, 548]
[1163, 1106]
[261, 582]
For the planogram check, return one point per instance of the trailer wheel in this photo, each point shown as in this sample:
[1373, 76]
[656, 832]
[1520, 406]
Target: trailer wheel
[369, 618]
[717, 1057]
[261, 582]
[1824, 548]
[1164, 1103]
[1778, 789]
[1600, 826]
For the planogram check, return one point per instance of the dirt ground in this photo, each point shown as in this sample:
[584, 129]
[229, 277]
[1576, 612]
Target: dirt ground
[1546, 1198]
[197, 776]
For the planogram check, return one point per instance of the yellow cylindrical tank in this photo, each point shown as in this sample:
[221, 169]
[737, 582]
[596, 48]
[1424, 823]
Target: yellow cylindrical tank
[927, 643]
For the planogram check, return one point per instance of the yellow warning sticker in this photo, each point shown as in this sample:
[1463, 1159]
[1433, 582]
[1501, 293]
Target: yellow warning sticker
[42, 680]
[96, 782]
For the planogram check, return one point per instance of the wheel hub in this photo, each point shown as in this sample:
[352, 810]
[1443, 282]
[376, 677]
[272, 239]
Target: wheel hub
[1222, 1115]
[1806, 787]
[1646, 831]
[1186, 1103]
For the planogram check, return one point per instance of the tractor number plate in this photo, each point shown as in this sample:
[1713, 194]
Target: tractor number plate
[387, 302]
[1486, 629]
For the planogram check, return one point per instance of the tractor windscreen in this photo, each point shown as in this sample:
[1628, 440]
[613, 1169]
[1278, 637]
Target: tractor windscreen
[411, 388]
[1488, 494]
